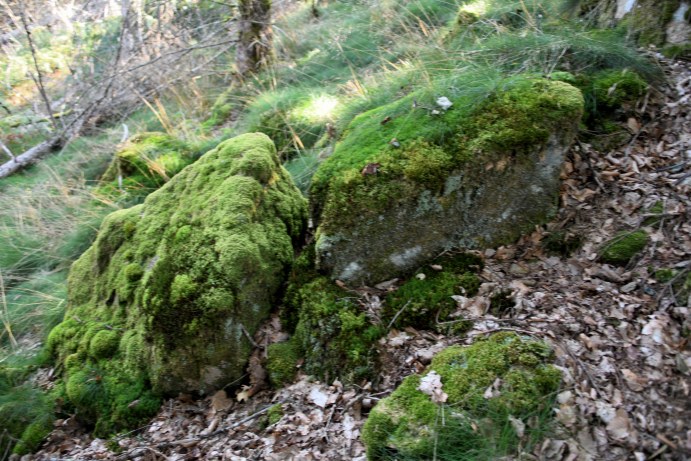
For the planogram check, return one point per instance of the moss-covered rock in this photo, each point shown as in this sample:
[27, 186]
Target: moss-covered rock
[158, 303]
[517, 367]
[423, 301]
[282, 361]
[470, 178]
[623, 249]
[333, 333]
[146, 162]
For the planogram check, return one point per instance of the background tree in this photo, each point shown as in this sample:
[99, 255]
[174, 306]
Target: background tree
[254, 46]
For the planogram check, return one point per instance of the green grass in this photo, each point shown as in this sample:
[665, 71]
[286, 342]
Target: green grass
[461, 437]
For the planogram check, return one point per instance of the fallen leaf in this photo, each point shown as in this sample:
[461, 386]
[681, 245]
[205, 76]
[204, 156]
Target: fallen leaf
[371, 168]
[386, 120]
[432, 386]
[619, 427]
[220, 401]
[444, 103]
[518, 425]
[319, 397]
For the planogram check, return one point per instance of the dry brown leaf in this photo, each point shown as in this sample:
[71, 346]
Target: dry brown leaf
[220, 401]
[619, 427]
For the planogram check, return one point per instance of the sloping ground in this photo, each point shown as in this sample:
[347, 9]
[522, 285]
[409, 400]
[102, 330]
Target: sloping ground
[620, 333]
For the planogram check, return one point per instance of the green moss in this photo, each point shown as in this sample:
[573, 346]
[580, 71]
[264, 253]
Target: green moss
[621, 252]
[333, 334]
[657, 208]
[405, 421]
[133, 272]
[664, 275]
[104, 344]
[649, 19]
[282, 362]
[432, 146]
[33, 435]
[609, 96]
[275, 414]
[429, 299]
[562, 244]
[144, 164]
[177, 278]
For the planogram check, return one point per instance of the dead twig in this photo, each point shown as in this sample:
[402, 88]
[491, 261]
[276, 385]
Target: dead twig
[249, 338]
[397, 314]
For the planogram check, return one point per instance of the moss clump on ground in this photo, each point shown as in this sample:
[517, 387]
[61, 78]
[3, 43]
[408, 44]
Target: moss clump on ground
[329, 330]
[275, 414]
[404, 423]
[282, 362]
[610, 96]
[333, 334]
[429, 299]
[623, 249]
[157, 305]
[146, 162]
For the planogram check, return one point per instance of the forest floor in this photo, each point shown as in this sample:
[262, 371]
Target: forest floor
[620, 334]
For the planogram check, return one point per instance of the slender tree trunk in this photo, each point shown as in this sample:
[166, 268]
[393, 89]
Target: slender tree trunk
[39, 83]
[254, 46]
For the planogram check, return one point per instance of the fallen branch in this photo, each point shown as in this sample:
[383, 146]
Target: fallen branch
[31, 156]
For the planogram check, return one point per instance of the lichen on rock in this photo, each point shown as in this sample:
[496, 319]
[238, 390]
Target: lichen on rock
[469, 179]
[515, 369]
[158, 303]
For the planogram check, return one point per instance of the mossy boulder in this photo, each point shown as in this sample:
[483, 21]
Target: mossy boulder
[146, 162]
[470, 177]
[622, 249]
[517, 368]
[158, 304]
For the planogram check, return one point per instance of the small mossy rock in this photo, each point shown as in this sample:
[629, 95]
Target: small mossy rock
[282, 362]
[145, 162]
[405, 420]
[333, 333]
[465, 178]
[158, 304]
[424, 302]
[623, 249]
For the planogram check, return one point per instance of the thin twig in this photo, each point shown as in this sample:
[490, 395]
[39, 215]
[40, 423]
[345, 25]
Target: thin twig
[249, 338]
[397, 314]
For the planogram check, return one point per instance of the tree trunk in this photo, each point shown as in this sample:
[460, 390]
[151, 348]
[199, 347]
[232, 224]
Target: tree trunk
[254, 46]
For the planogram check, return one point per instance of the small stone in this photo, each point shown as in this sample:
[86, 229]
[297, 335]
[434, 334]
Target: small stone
[629, 287]
[421, 276]
[518, 270]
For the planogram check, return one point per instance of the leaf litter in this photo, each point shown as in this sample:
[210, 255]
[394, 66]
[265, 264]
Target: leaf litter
[620, 334]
